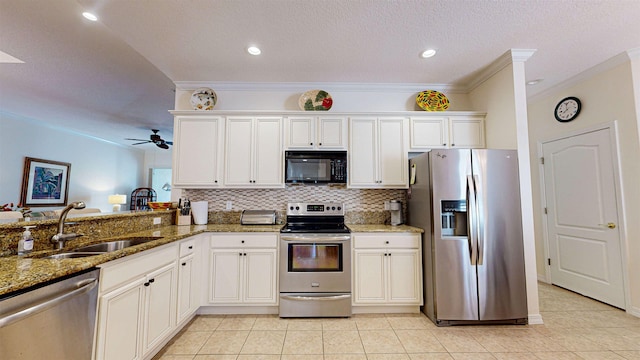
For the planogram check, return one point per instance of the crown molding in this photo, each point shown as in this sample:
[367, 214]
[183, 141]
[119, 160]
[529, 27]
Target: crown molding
[328, 86]
[506, 59]
[609, 64]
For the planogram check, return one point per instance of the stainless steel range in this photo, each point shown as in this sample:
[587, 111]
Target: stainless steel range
[315, 262]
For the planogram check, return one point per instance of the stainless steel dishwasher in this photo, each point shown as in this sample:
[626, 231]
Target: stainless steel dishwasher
[54, 321]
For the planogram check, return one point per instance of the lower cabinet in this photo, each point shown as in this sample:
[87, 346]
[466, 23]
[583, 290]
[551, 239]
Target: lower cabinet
[243, 269]
[387, 269]
[143, 299]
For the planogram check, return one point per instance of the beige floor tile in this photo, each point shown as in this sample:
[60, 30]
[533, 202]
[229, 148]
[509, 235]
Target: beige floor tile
[431, 356]
[225, 342]
[270, 323]
[301, 357]
[372, 323]
[381, 342]
[175, 357]
[303, 324]
[514, 356]
[205, 323]
[342, 342]
[344, 357]
[258, 357]
[599, 355]
[264, 342]
[237, 323]
[188, 343]
[459, 342]
[410, 323]
[472, 356]
[555, 355]
[631, 355]
[387, 357]
[303, 342]
[215, 357]
[339, 324]
[419, 341]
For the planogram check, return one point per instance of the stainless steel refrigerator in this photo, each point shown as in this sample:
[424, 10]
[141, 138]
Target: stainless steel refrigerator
[468, 203]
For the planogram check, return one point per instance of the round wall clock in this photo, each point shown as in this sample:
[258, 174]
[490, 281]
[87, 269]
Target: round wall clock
[567, 109]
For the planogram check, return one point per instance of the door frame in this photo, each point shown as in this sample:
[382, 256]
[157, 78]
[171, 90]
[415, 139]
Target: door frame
[612, 127]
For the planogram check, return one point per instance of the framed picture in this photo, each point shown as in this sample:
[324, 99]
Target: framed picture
[45, 182]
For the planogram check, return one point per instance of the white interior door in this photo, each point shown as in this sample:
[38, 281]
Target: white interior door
[582, 216]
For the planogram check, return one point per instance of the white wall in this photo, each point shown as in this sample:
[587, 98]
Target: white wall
[606, 96]
[98, 168]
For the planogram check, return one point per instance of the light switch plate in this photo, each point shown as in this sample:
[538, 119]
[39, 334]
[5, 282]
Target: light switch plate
[157, 221]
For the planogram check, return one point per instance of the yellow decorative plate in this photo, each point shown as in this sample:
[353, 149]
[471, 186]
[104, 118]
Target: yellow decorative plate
[431, 100]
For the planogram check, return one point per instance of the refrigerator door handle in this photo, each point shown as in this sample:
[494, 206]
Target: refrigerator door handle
[471, 220]
[479, 220]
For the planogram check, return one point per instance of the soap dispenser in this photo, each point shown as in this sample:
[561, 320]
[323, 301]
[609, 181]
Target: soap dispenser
[25, 245]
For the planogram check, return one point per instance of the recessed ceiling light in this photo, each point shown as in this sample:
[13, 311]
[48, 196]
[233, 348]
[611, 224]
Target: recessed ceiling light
[534, 82]
[253, 50]
[89, 16]
[428, 53]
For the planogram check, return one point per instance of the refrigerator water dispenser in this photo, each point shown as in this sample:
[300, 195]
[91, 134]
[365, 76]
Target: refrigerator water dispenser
[454, 217]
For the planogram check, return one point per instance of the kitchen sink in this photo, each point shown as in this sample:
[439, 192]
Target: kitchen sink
[115, 245]
[72, 255]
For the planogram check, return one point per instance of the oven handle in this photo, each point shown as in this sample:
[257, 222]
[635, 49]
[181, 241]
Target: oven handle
[315, 298]
[306, 238]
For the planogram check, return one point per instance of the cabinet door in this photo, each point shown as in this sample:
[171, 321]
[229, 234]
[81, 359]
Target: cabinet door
[404, 276]
[300, 133]
[331, 133]
[363, 158]
[160, 314]
[429, 133]
[225, 276]
[392, 152]
[369, 276]
[260, 283]
[186, 296]
[196, 151]
[268, 157]
[121, 314]
[239, 151]
[467, 132]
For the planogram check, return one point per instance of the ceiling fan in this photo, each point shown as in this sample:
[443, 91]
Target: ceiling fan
[154, 138]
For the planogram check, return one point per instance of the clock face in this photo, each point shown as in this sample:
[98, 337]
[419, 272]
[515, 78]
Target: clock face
[568, 109]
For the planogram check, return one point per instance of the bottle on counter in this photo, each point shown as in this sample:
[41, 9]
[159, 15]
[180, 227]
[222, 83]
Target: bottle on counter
[25, 245]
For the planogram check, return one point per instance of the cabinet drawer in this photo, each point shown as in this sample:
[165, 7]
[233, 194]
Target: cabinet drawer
[246, 240]
[124, 270]
[186, 247]
[400, 241]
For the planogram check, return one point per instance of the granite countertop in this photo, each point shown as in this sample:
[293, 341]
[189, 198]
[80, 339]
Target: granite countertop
[18, 272]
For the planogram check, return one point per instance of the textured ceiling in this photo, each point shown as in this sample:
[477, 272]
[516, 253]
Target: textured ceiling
[120, 70]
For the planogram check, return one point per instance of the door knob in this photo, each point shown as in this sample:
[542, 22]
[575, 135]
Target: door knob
[609, 225]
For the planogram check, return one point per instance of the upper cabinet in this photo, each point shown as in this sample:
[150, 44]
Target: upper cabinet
[197, 151]
[378, 152]
[253, 152]
[443, 132]
[316, 132]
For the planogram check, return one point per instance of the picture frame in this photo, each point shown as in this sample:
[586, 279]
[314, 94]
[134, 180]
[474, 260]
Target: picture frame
[45, 182]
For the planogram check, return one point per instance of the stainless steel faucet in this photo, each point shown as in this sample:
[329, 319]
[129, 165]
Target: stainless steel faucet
[61, 238]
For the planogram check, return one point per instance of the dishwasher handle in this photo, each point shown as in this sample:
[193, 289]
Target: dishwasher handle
[79, 288]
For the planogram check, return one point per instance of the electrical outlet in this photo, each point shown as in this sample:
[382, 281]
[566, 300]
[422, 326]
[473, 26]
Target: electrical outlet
[229, 205]
[157, 221]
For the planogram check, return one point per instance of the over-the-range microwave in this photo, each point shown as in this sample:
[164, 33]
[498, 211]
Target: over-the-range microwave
[315, 167]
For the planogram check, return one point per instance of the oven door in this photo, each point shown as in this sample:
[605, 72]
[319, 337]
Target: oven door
[315, 263]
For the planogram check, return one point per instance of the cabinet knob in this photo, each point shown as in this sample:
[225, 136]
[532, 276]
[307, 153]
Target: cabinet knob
[445, 144]
[319, 144]
[386, 242]
[242, 241]
[245, 254]
[190, 247]
[240, 254]
[184, 264]
[146, 284]
[215, 181]
[151, 280]
[311, 144]
[453, 144]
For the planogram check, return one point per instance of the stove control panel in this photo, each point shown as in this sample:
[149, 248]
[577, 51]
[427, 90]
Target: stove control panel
[315, 209]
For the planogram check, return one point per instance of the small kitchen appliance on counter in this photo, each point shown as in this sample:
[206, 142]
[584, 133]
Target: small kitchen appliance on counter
[315, 262]
[258, 217]
[395, 207]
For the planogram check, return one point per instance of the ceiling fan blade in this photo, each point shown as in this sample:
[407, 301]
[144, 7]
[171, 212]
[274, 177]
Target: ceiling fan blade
[162, 146]
[169, 142]
[138, 139]
[140, 143]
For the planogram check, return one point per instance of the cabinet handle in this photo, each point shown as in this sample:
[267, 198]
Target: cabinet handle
[184, 264]
[190, 247]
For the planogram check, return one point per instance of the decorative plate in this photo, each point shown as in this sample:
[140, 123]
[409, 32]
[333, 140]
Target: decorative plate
[315, 100]
[204, 99]
[431, 100]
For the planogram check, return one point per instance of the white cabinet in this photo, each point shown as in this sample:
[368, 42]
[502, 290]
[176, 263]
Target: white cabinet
[253, 152]
[197, 150]
[443, 132]
[188, 286]
[137, 304]
[316, 132]
[378, 152]
[387, 269]
[243, 269]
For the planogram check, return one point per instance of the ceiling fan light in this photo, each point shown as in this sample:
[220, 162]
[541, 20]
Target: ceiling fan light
[89, 16]
[534, 82]
[428, 53]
